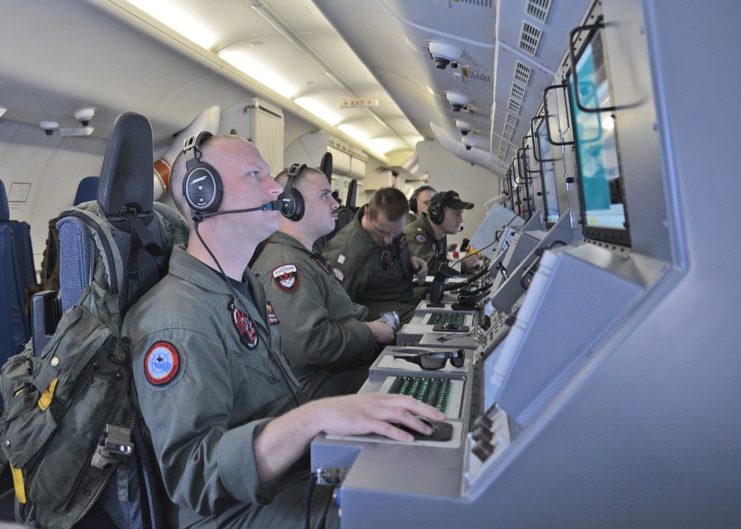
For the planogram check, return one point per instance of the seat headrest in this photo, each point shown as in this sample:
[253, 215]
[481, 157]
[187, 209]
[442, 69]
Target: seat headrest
[4, 209]
[87, 190]
[126, 175]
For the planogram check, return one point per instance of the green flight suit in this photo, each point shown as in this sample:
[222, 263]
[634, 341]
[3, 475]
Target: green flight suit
[424, 244]
[207, 377]
[379, 277]
[327, 345]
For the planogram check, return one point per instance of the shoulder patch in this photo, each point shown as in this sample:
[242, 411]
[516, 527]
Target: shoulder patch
[245, 327]
[272, 318]
[161, 363]
[402, 241]
[420, 238]
[386, 257]
[287, 277]
[341, 259]
[339, 275]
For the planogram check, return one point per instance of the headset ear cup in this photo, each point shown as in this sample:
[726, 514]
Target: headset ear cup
[436, 214]
[292, 204]
[202, 188]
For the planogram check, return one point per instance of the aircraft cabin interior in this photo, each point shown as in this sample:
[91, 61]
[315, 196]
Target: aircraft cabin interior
[586, 369]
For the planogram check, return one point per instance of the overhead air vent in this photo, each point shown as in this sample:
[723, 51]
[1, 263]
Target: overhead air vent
[508, 132]
[522, 73]
[538, 9]
[511, 119]
[514, 105]
[530, 38]
[479, 3]
[517, 92]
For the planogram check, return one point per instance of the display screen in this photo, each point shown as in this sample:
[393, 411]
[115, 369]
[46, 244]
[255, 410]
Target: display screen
[597, 148]
[550, 193]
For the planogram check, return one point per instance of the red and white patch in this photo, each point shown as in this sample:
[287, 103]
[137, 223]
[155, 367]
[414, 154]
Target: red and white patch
[272, 318]
[420, 238]
[245, 328]
[286, 277]
[161, 363]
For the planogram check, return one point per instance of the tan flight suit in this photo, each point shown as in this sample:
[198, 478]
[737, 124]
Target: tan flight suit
[327, 345]
[379, 277]
[207, 378]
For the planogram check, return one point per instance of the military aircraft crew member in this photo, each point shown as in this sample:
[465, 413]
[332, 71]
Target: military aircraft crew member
[420, 201]
[428, 235]
[327, 344]
[213, 387]
[371, 257]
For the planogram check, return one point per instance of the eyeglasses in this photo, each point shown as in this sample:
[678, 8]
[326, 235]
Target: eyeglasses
[435, 360]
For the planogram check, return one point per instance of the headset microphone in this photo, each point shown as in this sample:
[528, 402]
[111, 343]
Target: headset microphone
[273, 205]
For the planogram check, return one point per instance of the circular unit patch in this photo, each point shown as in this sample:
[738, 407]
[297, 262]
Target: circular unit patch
[420, 238]
[161, 363]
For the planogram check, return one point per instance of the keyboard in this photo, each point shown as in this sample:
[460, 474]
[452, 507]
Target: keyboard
[430, 390]
[445, 318]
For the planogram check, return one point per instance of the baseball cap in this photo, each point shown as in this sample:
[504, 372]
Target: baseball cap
[452, 200]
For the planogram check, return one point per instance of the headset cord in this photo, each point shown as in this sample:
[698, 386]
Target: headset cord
[307, 497]
[277, 363]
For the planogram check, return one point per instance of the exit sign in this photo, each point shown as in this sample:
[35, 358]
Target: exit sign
[360, 102]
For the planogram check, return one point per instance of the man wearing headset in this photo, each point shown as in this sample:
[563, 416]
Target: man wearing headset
[214, 389]
[371, 258]
[327, 344]
[428, 235]
[420, 201]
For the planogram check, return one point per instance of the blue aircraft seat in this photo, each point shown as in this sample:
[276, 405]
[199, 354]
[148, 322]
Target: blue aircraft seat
[16, 263]
[87, 190]
[125, 194]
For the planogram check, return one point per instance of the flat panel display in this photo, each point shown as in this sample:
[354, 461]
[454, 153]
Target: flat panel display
[604, 213]
[549, 174]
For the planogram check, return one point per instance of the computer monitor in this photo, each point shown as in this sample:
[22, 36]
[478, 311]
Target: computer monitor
[489, 232]
[602, 194]
[545, 155]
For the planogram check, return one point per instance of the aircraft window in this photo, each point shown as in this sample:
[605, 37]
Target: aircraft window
[604, 214]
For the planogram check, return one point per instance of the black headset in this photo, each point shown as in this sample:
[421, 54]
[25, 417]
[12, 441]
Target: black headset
[291, 199]
[202, 186]
[415, 195]
[436, 211]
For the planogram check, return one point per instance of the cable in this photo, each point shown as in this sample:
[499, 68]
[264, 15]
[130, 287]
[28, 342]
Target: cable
[308, 496]
[283, 374]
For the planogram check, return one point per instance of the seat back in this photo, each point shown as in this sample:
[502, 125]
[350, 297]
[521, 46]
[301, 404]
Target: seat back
[87, 190]
[18, 275]
[134, 234]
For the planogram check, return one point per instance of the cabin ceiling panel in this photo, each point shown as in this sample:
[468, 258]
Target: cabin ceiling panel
[138, 73]
[446, 19]
[404, 66]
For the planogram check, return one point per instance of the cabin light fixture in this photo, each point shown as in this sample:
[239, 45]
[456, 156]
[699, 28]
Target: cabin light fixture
[48, 127]
[179, 20]
[457, 101]
[84, 115]
[259, 72]
[318, 109]
[3, 110]
[443, 54]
